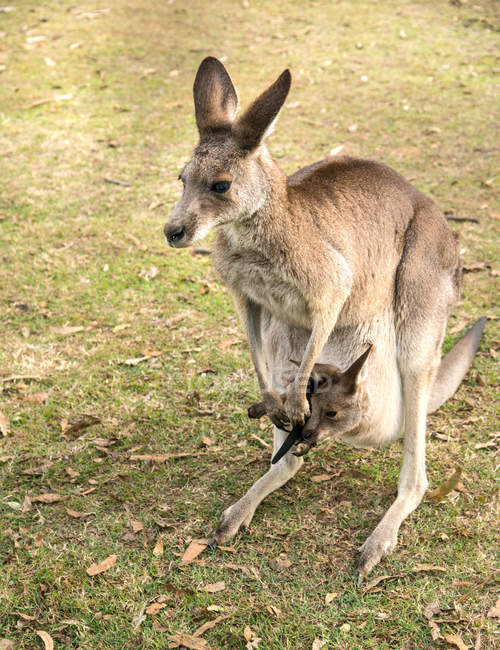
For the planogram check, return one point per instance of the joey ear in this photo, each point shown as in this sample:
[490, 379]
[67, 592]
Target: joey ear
[256, 122]
[356, 372]
[215, 99]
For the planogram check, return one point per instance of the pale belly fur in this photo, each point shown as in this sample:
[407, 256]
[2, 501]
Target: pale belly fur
[382, 421]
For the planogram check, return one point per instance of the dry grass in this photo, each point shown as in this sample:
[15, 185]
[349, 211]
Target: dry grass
[409, 83]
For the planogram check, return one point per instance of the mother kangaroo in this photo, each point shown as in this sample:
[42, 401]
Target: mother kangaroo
[345, 253]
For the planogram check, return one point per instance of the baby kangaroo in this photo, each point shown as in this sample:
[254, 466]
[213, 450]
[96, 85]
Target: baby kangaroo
[345, 250]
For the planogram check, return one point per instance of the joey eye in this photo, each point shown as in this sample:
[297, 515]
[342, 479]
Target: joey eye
[331, 414]
[221, 187]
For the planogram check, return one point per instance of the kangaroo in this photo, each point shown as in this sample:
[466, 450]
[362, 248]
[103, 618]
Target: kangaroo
[344, 252]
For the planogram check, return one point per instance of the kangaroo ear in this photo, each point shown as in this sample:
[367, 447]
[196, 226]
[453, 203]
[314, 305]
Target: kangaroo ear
[355, 374]
[215, 99]
[257, 121]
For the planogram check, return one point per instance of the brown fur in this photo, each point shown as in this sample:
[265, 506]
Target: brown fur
[343, 248]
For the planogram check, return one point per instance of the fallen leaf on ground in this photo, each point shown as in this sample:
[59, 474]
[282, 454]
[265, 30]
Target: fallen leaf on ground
[77, 425]
[330, 596]
[173, 320]
[158, 547]
[454, 639]
[427, 567]
[373, 583]
[188, 641]
[431, 610]
[318, 644]
[214, 588]
[76, 514]
[209, 625]
[106, 564]
[321, 477]
[136, 525]
[193, 550]
[35, 398]
[149, 274]
[207, 441]
[4, 424]
[48, 497]
[494, 610]
[6, 644]
[448, 486]
[275, 611]
[161, 458]
[154, 608]
[67, 331]
[138, 360]
[48, 641]
[435, 631]
[4, 459]
[279, 564]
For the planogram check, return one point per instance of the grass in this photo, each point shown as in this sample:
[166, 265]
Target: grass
[108, 94]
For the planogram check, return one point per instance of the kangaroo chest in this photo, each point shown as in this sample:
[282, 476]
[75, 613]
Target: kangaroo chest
[264, 282]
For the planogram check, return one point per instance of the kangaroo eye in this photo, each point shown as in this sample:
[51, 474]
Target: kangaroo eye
[221, 187]
[331, 414]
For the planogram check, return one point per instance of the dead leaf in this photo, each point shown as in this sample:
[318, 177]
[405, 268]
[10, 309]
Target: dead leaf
[79, 424]
[106, 564]
[161, 458]
[48, 641]
[321, 477]
[68, 331]
[214, 588]
[137, 360]
[207, 441]
[76, 514]
[209, 625]
[279, 564]
[494, 610]
[36, 398]
[474, 266]
[187, 641]
[4, 459]
[193, 550]
[275, 611]
[136, 525]
[228, 343]
[4, 424]
[248, 633]
[149, 274]
[454, 639]
[373, 583]
[486, 445]
[427, 567]
[431, 610]
[330, 596]
[448, 486]
[154, 608]
[318, 644]
[48, 497]
[173, 320]
[435, 631]
[38, 540]
[6, 644]
[158, 548]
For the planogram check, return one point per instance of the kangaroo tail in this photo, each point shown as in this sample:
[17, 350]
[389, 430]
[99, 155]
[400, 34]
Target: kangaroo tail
[454, 366]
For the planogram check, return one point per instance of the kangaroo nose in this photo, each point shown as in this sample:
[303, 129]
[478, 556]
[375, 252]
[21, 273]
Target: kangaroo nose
[174, 236]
